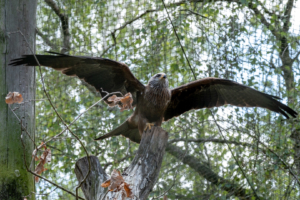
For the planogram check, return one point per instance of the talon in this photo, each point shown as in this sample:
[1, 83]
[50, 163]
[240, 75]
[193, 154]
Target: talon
[148, 126]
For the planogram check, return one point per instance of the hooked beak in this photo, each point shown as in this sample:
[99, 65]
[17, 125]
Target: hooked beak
[163, 76]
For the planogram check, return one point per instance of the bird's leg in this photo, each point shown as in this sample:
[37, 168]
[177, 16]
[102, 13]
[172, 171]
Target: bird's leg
[148, 126]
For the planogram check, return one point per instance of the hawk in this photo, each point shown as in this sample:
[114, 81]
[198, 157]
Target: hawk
[154, 102]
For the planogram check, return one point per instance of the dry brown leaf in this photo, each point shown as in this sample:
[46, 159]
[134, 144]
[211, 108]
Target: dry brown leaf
[127, 101]
[117, 183]
[34, 153]
[124, 103]
[116, 180]
[39, 170]
[13, 97]
[127, 189]
[45, 157]
[106, 183]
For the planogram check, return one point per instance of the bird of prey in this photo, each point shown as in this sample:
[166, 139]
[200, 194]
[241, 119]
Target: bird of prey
[154, 102]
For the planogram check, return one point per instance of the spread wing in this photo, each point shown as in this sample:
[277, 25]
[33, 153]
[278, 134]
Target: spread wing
[110, 75]
[215, 92]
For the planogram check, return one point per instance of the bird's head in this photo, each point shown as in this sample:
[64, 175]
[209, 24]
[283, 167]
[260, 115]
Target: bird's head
[159, 79]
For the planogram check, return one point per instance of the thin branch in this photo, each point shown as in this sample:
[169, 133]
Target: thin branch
[134, 19]
[207, 173]
[235, 158]
[46, 40]
[263, 20]
[64, 24]
[110, 46]
[45, 194]
[183, 51]
[41, 177]
[287, 15]
[192, 12]
[23, 127]
[298, 53]
[279, 158]
[214, 140]
[113, 33]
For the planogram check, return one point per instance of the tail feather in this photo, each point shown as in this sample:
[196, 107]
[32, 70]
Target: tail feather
[123, 129]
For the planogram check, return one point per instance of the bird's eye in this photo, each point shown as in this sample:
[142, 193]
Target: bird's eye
[158, 75]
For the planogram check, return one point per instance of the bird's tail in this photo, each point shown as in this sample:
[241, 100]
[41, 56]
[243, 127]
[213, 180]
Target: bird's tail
[126, 131]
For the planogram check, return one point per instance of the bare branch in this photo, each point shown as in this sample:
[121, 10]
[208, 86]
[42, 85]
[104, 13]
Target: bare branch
[296, 57]
[41, 177]
[215, 140]
[46, 40]
[113, 33]
[64, 24]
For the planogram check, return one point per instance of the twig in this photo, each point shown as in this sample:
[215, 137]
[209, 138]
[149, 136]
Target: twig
[41, 177]
[68, 126]
[109, 47]
[23, 127]
[183, 51]
[112, 33]
[45, 194]
[215, 140]
[46, 39]
[190, 11]
[234, 157]
[281, 160]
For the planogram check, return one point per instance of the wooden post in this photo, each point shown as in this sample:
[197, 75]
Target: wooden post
[141, 175]
[15, 16]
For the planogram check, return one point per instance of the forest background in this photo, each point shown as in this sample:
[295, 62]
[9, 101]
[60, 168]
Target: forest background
[256, 43]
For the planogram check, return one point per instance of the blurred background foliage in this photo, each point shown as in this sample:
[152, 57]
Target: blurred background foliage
[246, 41]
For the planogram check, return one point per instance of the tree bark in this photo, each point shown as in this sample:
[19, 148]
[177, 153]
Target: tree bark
[141, 175]
[16, 15]
[92, 186]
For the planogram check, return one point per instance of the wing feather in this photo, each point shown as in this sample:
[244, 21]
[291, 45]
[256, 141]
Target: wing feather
[110, 75]
[213, 92]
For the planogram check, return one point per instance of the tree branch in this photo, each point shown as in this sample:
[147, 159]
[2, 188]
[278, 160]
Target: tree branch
[46, 40]
[215, 140]
[64, 24]
[287, 15]
[204, 171]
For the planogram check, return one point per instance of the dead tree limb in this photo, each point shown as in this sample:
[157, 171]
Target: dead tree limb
[92, 187]
[141, 175]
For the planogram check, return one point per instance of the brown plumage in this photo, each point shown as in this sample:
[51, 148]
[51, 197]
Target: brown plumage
[154, 102]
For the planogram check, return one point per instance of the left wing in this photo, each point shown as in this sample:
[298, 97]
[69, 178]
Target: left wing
[214, 92]
[101, 73]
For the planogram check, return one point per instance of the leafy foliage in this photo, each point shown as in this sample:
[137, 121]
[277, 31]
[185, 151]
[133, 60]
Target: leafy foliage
[221, 39]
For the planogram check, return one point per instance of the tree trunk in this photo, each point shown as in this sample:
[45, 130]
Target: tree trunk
[141, 175]
[15, 181]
